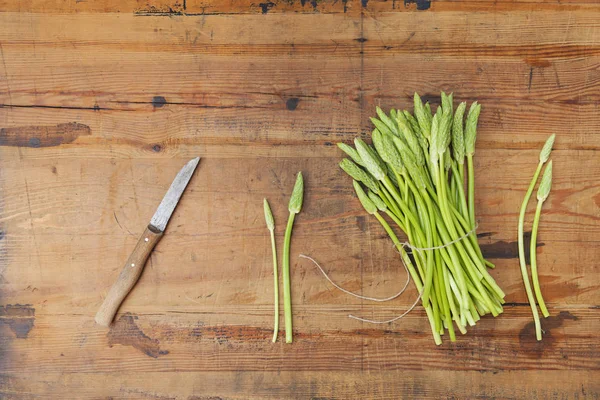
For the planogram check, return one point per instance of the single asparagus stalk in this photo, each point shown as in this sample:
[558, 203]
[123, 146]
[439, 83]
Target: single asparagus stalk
[544, 156]
[542, 195]
[470, 136]
[271, 226]
[294, 207]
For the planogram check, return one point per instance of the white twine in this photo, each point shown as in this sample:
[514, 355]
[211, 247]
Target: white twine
[419, 249]
[403, 245]
[355, 294]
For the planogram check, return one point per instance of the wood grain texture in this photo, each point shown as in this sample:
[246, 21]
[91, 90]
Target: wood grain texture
[102, 101]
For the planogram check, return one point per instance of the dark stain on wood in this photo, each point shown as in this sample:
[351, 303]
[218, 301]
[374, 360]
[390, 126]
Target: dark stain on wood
[292, 103]
[43, 136]
[534, 348]
[432, 99]
[125, 332]
[158, 101]
[422, 5]
[157, 148]
[265, 7]
[19, 318]
[503, 249]
[361, 222]
[485, 234]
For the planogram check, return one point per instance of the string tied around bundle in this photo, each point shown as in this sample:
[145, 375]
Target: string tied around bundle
[399, 247]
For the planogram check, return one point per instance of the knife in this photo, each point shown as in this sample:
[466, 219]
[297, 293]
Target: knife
[151, 236]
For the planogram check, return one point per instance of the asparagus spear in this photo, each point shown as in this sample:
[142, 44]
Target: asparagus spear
[542, 195]
[294, 207]
[271, 227]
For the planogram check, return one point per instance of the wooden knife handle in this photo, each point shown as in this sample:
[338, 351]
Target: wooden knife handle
[128, 277]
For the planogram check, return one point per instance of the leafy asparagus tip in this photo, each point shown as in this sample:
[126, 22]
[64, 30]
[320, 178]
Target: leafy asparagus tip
[545, 183]
[366, 202]
[547, 149]
[471, 128]
[297, 195]
[268, 215]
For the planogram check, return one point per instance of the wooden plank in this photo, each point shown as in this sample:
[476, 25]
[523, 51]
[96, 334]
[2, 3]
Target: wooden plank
[236, 338]
[314, 385]
[203, 7]
[524, 88]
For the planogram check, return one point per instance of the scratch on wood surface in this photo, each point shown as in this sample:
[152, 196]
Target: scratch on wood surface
[530, 79]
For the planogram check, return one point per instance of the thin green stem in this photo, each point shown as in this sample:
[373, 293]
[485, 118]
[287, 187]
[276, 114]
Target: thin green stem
[429, 220]
[287, 296]
[533, 256]
[430, 313]
[471, 188]
[275, 287]
[395, 219]
[524, 273]
[464, 244]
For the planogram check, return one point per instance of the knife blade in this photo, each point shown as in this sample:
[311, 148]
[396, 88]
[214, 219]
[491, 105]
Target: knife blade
[148, 240]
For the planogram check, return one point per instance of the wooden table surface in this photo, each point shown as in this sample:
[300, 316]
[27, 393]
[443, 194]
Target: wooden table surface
[101, 103]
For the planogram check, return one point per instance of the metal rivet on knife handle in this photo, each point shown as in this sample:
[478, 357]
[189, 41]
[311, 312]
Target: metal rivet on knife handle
[149, 238]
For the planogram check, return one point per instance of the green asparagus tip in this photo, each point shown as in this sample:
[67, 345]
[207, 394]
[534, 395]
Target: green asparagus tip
[369, 159]
[547, 149]
[380, 204]
[297, 195]
[268, 215]
[545, 183]
[366, 202]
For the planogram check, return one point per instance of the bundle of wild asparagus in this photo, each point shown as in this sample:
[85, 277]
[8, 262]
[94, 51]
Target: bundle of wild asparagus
[414, 174]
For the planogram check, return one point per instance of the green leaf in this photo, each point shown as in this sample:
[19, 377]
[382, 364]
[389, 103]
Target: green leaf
[471, 128]
[545, 183]
[458, 136]
[370, 160]
[369, 206]
[380, 204]
[386, 120]
[386, 150]
[447, 101]
[351, 151]
[547, 149]
[428, 111]
[359, 174]
[383, 128]
[268, 215]
[423, 116]
[413, 142]
[297, 195]
[409, 162]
